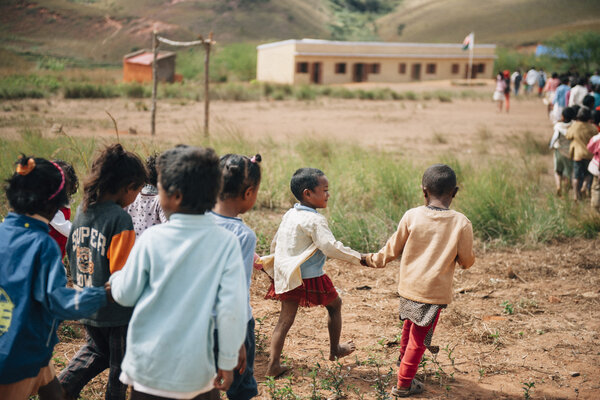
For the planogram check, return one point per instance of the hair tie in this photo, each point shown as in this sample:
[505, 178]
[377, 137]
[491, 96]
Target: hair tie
[27, 168]
[62, 180]
[253, 159]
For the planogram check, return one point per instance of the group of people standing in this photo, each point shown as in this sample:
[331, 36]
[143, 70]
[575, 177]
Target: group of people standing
[505, 81]
[574, 109]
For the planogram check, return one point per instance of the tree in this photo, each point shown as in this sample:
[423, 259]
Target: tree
[582, 49]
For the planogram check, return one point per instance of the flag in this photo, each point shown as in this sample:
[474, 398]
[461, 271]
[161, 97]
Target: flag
[468, 42]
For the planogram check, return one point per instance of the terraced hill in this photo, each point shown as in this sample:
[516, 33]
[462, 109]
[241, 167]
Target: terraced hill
[101, 31]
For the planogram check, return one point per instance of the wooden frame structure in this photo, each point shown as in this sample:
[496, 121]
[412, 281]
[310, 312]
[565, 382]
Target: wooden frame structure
[207, 44]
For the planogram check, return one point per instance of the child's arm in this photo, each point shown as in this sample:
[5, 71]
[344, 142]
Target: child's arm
[51, 291]
[118, 251]
[392, 249]
[127, 284]
[466, 257]
[325, 241]
[231, 307]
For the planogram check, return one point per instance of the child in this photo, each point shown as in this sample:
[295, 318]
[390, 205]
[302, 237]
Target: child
[33, 293]
[146, 211]
[431, 239]
[580, 134]
[500, 90]
[301, 245]
[563, 166]
[593, 147]
[101, 238]
[60, 226]
[241, 180]
[177, 276]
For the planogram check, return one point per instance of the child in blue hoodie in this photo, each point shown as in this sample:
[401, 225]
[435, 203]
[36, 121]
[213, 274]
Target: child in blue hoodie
[184, 279]
[33, 293]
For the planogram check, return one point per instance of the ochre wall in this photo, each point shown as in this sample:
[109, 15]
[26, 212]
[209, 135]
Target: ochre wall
[137, 73]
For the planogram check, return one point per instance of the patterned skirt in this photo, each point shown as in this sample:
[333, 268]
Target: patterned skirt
[317, 291]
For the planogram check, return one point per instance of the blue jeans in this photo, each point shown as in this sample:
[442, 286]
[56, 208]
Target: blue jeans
[244, 385]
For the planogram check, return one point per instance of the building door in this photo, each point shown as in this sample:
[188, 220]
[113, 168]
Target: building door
[359, 73]
[315, 74]
[416, 72]
[474, 71]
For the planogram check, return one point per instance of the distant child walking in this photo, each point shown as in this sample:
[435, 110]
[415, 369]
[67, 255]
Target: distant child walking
[101, 238]
[301, 246]
[241, 181]
[431, 239]
[60, 224]
[563, 165]
[580, 134]
[145, 211]
[33, 293]
[500, 90]
[184, 279]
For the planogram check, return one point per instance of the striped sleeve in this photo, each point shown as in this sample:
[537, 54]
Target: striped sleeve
[120, 246]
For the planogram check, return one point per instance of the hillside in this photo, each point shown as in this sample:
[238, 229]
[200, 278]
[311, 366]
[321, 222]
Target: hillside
[101, 31]
[506, 22]
[104, 30]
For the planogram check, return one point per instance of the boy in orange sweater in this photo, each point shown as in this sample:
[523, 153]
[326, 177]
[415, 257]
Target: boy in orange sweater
[431, 239]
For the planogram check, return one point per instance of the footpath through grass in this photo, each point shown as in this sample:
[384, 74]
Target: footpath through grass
[370, 189]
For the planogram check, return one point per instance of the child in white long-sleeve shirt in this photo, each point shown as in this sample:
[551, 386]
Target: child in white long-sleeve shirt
[177, 275]
[301, 246]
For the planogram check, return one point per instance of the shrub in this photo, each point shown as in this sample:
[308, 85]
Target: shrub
[87, 90]
[136, 91]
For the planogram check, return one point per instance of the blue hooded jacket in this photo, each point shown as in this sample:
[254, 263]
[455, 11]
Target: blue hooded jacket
[34, 297]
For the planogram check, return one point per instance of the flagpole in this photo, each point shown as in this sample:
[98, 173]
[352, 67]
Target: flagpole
[471, 46]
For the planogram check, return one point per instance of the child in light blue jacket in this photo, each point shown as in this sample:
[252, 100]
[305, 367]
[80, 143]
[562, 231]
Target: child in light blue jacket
[176, 275]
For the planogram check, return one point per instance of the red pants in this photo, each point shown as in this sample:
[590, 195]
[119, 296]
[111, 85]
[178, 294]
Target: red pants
[412, 349]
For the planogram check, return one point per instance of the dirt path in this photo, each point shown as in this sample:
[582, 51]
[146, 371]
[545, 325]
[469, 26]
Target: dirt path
[538, 324]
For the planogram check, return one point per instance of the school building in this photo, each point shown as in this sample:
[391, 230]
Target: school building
[331, 62]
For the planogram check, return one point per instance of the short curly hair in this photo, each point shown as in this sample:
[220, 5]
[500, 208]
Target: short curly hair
[439, 179]
[305, 178]
[195, 173]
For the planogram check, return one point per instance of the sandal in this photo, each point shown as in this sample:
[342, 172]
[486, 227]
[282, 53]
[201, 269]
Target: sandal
[416, 387]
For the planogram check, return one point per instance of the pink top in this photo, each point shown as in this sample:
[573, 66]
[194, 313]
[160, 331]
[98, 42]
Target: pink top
[500, 85]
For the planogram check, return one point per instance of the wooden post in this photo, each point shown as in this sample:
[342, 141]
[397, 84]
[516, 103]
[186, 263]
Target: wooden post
[154, 81]
[207, 45]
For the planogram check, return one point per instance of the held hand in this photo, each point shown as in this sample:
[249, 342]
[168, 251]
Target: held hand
[363, 259]
[223, 380]
[241, 366]
[108, 292]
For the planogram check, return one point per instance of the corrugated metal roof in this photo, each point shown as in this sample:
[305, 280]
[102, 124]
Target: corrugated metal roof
[147, 57]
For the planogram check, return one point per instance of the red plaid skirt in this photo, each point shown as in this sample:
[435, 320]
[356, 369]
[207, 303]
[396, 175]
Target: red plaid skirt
[317, 291]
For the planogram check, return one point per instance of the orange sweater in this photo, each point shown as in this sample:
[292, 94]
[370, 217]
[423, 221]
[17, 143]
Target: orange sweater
[431, 243]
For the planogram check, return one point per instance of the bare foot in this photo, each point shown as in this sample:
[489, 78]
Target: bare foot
[343, 350]
[277, 371]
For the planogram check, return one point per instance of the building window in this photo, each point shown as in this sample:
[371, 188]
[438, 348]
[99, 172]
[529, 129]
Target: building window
[302, 68]
[402, 68]
[374, 68]
[455, 69]
[481, 68]
[430, 69]
[340, 68]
